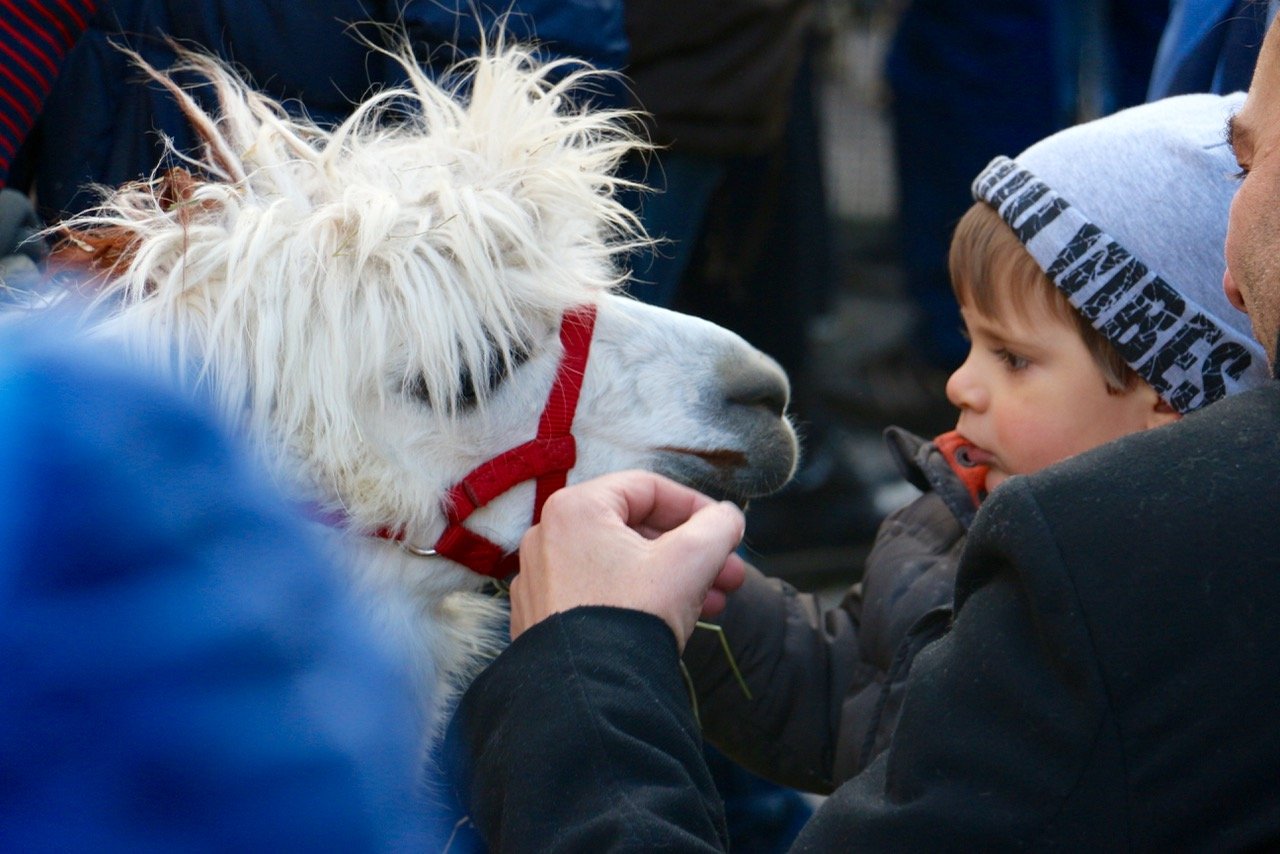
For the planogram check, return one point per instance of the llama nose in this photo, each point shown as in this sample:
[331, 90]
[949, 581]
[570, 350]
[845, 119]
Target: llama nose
[756, 381]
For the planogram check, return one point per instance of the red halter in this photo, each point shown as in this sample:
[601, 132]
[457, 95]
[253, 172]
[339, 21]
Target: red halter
[548, 457]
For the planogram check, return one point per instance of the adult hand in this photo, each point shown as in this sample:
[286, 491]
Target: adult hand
[631, 540]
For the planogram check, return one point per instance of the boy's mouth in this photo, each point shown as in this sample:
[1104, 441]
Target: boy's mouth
[980, 456]
[975, 454]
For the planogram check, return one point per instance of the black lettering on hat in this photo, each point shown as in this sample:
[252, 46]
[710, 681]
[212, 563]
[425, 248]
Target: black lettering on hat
[1076, 247]
[1016, 183]
[1122, 289]
[1033, 193]
[1036, 222]
[1136, 327]
[1229, 358]
[1183, 397]
[1178, 353]
[1097, 265]
[1002, 167]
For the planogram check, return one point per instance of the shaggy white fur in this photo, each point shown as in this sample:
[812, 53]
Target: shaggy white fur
[377, 305]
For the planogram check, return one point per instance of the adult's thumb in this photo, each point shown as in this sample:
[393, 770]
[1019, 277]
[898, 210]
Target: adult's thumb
[704, 542]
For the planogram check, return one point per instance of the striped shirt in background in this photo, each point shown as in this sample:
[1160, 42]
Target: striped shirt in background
[35, 36]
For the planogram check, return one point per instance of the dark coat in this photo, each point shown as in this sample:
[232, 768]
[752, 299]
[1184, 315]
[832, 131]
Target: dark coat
[717, 74]
[1110, 682]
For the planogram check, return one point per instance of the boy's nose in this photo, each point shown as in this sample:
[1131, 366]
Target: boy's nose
[964, 389]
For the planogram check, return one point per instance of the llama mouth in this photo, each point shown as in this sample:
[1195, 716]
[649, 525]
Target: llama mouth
[715, 473]
[723, 459]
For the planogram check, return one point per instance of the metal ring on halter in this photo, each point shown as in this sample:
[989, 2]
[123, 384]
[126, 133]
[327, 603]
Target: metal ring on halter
[418, 552]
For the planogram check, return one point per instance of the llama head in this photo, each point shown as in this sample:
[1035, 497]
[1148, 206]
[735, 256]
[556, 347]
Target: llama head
[377, 304]
[363, 298]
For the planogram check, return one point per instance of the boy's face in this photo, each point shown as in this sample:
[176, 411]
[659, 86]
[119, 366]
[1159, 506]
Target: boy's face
[1030, 394]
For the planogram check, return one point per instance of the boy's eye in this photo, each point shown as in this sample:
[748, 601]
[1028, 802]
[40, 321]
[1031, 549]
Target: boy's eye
[1011, 360]
[964, 333]
[1241, 173]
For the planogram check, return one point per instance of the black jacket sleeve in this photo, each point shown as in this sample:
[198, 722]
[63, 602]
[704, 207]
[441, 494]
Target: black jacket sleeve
[581, 736]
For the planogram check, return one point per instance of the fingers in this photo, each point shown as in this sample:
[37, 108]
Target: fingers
[648, 503]
[713, 605]
[633, 540]
[706, 539]
[732, 575]
[652, 502]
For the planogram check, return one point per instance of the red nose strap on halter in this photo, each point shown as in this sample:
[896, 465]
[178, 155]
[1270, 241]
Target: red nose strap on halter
[548, 457]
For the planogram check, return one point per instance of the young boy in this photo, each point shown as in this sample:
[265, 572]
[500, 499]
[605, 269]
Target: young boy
[1089, 276]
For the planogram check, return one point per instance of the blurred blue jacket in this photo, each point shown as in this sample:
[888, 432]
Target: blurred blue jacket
[182, 670]
[1209, 46]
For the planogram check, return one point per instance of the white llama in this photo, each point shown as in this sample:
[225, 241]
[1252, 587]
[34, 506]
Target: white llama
[385, 306]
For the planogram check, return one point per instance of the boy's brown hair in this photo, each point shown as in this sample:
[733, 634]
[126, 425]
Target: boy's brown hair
[992, 271]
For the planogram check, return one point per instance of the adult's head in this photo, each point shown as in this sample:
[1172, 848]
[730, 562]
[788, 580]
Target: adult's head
[1252, 281]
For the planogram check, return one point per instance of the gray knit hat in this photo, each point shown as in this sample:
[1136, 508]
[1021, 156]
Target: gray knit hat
[1127, 216]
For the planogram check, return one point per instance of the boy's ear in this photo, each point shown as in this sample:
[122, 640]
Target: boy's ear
[1162, 413]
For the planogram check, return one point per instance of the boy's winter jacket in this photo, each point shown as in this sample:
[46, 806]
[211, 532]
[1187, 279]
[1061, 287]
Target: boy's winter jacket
[826, 686]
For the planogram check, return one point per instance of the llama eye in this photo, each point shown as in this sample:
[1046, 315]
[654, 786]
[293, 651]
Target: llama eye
[471, 392]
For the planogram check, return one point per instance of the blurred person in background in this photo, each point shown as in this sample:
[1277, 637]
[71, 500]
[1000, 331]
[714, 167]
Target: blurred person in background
[104, 122]
[1210, 46]
[717, 81]
[739, 206]
[35, 36]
